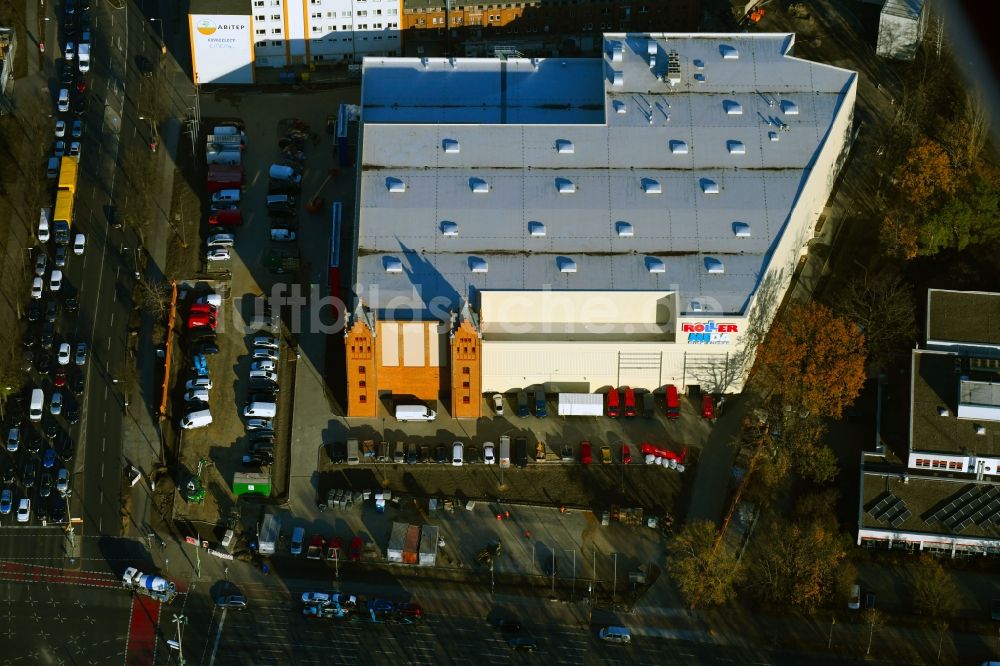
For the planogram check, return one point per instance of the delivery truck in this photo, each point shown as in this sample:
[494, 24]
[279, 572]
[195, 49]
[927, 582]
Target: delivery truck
[581, 404]
[267, 536]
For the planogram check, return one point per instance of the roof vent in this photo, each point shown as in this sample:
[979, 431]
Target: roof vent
[980, 429]
[732, 107]
[654, 265]
[773, 136]
[617, 51]
[450, 145]
[565, 186]
[479, 186]
[449, 228]
[564, 146]
[651, 186]
[617, 79]
[789, 108]
[714, 266]
[651, 47]
[566, 265]
[699, 77]
[619, 106]
[392, 265]
[698, 63]
[709, 186]
[741, 229]
[479, 265]
[729, 52]
[536, 229]
[624, 229]
[736, 147]
[943, 411]
[678, 147]
[395, 184]
[695, 306]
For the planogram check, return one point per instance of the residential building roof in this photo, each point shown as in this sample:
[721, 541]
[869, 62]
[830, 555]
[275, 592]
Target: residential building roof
[671, 164]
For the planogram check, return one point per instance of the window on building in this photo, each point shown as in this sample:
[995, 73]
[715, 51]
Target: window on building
[361, 12]
[465, 400]
[316, 15]
[922, 462]
[955, 465]
[275, 31]
[331, 14]
[331, 28]
[347, 27]
[317, 28]
[362, 398]
[258, 3]
[261, 45]
[465, 384]
[378, 12]
[260, 31]
[392, 12]
[277, 42]
[345, 14]
[377, 26]
[275, 17]
[260, 18]
[317, 58]
[938, 464]
[362, 383]
[275, 3]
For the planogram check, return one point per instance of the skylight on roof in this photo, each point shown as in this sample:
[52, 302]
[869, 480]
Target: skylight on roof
[395, 184]
[479, 265]
[451, 145]
[709, 186]
[479, 186]
[617, 51]
[678, 147]
[651, 47]
[651, 186]
[618, 79]
[736, 147]
[564, 146]
[729, 52]
[619, 106]
[565, 186]
[566, 265]
[732, 107]
[714, 266]
[655, 265]
[624, 229]
[392, 265]
[449, 228]
[536, 229]
[741, 229]
[789, 108]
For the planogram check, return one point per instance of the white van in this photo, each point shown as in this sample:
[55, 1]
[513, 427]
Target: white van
[37, 405]
[505, 450]
[284, 173]
[458, 454]
[83, 57]
[198, 419]
[43, 225]
[226, 196]
[619, 635]
[352, 452]
[260, 410]
[415, 413]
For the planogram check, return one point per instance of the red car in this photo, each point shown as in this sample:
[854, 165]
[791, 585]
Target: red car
[707, 407]
[672, 402]
[226, 218]
[585, 456]
[629, 401]
[626, 455]
[201, 321]
[357, 544]
[410, 609]
[202, 308]
[60, 378]
[613, 403]
[333, 548]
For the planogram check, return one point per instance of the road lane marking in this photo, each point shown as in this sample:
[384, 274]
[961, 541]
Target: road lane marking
[103, 442]
[218, 637]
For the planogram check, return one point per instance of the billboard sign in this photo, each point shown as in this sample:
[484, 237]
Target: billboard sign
[221, 48]
[709, 333]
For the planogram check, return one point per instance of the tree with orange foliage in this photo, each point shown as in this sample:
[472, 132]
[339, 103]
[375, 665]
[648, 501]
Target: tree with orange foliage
[813, 360]
[926, 171]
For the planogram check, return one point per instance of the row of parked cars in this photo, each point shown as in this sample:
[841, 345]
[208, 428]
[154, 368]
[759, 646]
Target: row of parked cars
[261, 406]
[202, 322]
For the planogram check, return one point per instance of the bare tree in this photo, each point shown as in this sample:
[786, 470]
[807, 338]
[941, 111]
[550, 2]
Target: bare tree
[153, 296]
[874, 619]
[884, 308]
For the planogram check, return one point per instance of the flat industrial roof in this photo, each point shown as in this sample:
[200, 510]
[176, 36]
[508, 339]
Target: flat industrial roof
[936, 380]
[964, 317]
[929, 503]
[498, 174]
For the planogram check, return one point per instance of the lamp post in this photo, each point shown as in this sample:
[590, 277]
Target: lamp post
[163, 44]
[180, 621]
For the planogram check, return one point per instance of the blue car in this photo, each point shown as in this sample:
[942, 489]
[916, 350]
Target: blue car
[49, 460]
[6, 501]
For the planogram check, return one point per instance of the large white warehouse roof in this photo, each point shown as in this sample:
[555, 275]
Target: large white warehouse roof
[672, 163]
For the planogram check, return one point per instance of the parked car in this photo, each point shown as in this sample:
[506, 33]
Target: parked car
[585, 456]
[498, 404]
[489, 456]
[606, 455]
[6, 501]
[24, 510]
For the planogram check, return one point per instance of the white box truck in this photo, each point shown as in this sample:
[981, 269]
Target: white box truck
[581, 404]
[267, 538]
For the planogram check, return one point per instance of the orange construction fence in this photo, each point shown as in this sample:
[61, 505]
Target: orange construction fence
[167, 346]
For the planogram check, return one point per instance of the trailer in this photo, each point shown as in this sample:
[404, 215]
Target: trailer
[411, 545]
[428, 545]
[224, 177]
[267, 537]
[397, 540]
[154, 587]
[581, 404]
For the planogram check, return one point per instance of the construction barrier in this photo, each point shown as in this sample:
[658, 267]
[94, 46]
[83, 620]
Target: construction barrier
[168, 345]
